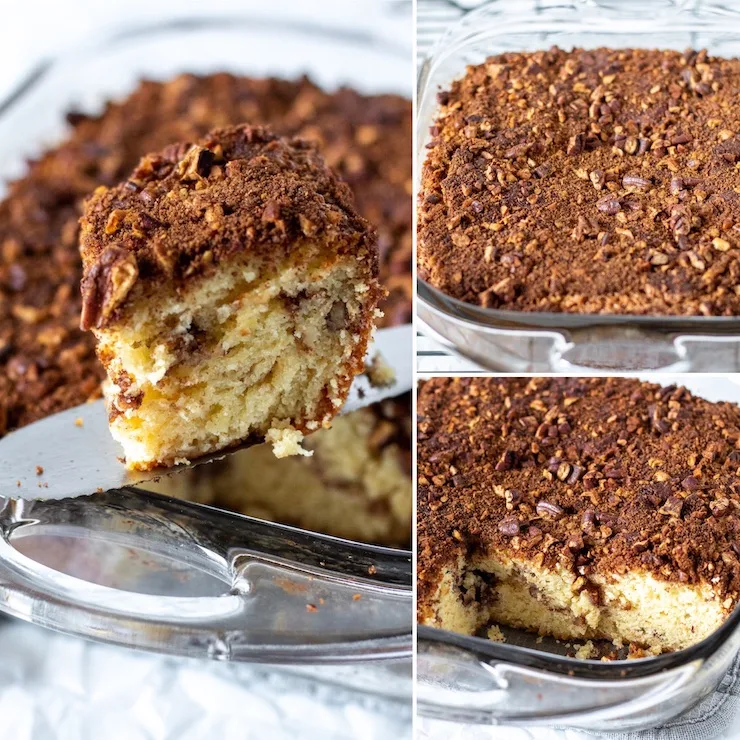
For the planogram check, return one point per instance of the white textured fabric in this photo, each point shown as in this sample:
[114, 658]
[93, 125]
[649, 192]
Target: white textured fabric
[54, 687]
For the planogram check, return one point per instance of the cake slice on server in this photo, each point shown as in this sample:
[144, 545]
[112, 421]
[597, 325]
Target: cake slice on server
[232, 288]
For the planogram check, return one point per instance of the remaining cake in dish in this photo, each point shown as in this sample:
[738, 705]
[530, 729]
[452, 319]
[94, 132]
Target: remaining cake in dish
[579, 508]
[590, 181]
[356, 485]
[232, 288]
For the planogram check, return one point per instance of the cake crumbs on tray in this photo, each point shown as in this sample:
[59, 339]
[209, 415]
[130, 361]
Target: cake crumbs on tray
[495, 634]
[79, 422]
[39, 470]
[587, 651]
[311, 608]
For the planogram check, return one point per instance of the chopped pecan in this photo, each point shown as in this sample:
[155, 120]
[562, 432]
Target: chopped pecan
[106, 286]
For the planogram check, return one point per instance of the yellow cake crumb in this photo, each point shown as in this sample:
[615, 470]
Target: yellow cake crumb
[380, 373]
[286, 441]
[587, 651]
[494, 633]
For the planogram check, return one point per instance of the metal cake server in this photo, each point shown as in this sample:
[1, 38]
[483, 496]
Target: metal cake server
[73, 454]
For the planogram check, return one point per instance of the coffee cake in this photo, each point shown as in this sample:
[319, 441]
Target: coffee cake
[232, 289]
[590, 181]
[579, 508]
[47, 364]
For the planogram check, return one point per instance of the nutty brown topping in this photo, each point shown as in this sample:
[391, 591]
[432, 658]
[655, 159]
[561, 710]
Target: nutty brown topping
[606, 182]
[238, 189]
[106, 286]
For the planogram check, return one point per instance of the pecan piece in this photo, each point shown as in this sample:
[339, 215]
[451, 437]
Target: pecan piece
[507, 461]
[196, 164]
[509, 526]
[576, 145]
[575, 474]
[106, 286]
[672, 507]
[720, 507]
[549, 510]
[609, 204]
[637, 182]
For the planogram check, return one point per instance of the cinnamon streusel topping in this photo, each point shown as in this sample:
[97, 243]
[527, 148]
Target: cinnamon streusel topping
[599, 181]
[186, 209]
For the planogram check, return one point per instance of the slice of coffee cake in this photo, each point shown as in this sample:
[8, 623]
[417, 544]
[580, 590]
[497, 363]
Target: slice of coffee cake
[231, 286]
[578, 508]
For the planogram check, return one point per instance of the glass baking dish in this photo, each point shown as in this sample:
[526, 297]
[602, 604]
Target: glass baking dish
[551, 342]
[529, 681]
[143, 571]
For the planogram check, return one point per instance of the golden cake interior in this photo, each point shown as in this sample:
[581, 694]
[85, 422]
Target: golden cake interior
[248, 349]
[485, 591]
[354, 486]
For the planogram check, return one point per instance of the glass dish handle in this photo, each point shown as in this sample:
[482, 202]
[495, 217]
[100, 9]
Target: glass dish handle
[136, 569]
[617, 348]
[456, 684]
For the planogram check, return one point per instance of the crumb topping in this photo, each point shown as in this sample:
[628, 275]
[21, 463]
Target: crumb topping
[192, 206]
[591, 181]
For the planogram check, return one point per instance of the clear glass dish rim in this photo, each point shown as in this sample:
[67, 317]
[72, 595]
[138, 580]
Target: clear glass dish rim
[332, 559]
[478, 23]
[436, 300]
